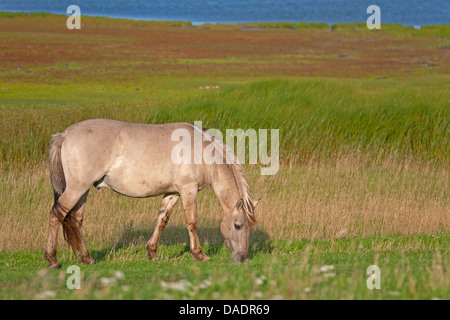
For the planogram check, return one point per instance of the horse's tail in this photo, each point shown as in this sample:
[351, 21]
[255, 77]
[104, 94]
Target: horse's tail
[55, 165]
[70, 225]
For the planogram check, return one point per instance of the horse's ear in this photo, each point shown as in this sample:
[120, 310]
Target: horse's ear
[239, 204]
[255, 203]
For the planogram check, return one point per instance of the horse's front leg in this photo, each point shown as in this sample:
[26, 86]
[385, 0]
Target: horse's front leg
[189, 197]
[167, 206]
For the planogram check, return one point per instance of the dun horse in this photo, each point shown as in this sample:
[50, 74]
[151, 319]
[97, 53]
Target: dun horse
[135, 160]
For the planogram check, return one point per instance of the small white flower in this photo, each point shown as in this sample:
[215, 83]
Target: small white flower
[107, 282]
[46, 295]
[259, 281]
[119, 275]
[326, 268]
[208, 87]
[205, 284]
[181, 285]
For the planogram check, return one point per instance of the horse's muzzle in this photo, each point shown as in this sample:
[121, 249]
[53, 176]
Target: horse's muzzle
[239, 257]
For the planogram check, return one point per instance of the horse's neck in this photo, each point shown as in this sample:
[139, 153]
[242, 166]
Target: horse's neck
[225, 187]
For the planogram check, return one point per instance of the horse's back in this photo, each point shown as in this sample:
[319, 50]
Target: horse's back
[130, 158]
[112, 136]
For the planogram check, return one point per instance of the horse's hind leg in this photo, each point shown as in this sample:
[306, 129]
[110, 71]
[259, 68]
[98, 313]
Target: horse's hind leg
[67, 210]
[77, 213]
[167, 206]
[50, 249]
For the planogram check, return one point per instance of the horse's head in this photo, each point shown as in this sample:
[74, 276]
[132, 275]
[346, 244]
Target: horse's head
[236, 229]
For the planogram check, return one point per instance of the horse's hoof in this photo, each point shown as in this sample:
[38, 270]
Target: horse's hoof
[86, 259]
[53, 266]
[200, 256]
[152, 255]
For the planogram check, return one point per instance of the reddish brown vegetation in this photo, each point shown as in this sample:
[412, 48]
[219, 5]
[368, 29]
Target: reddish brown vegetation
[148, 49]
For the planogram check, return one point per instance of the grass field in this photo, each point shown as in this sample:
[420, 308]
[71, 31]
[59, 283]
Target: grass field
[364, 152]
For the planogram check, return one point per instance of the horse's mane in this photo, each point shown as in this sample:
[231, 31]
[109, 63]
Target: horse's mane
[238, 173]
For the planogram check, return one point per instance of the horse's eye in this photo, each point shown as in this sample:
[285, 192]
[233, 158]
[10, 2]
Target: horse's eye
[237, 226]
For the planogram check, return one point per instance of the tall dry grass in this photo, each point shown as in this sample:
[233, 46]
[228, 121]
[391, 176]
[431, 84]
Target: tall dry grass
[349, 199]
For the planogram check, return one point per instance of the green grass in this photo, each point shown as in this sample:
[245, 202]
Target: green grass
[317, 118]
[411, 268]
[288, 25]
[442, 31]
[11, 15]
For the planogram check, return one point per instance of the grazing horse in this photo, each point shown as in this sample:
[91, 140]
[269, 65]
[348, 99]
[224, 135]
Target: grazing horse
[136, 160]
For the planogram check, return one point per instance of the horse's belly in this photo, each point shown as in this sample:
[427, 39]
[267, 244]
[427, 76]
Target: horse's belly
[138, 187]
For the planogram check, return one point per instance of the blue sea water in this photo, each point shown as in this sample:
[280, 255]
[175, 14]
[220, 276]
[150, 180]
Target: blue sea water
[405, 12]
